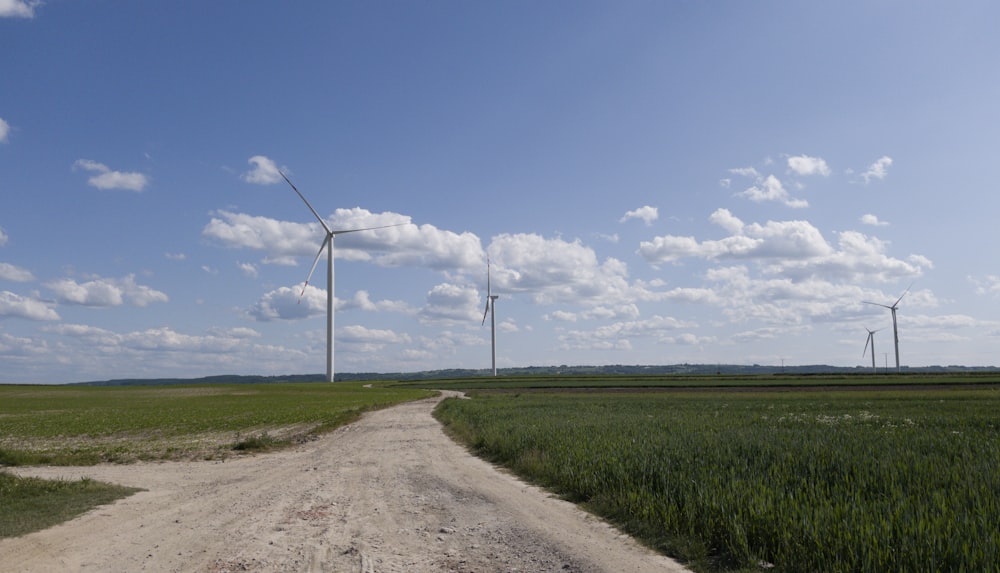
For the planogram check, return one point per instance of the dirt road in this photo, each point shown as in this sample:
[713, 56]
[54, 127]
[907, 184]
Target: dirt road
[389, 493]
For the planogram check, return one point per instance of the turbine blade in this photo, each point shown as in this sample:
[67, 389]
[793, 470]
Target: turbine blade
[869, 339]
[486, 311]
[902, 295]
[303, 197]
[877, 304]
[367, 229]
[313, 269]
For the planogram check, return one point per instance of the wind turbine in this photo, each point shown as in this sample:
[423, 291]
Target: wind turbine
[491, 308]
[895, 330]
[328, 240]
[871, 339]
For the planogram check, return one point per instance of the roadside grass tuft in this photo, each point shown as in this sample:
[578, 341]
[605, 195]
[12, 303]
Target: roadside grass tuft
[32, 504]
[261, 442]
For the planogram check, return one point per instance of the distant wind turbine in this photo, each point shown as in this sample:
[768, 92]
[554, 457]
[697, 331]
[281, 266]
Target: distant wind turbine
[871, 340]
[895, 330]
[328, 240]
[490, 308]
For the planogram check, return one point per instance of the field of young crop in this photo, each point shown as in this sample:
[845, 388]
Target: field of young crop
[784, 481]
[88, 424]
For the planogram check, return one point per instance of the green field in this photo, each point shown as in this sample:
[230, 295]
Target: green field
[79, 425]
[900, 480]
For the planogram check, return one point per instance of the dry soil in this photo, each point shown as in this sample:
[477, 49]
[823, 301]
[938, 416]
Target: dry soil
[389, 493]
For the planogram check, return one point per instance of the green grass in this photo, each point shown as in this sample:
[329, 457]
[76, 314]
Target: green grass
[782, 481]
[81, 425]
[31, 504]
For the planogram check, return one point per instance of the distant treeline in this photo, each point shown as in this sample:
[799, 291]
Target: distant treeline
[608, 370]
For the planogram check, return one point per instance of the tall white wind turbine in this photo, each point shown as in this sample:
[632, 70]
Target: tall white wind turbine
[490, 308]
[871, 340]
[895, 331]
[328, 240]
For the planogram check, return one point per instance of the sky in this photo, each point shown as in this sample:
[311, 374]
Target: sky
[653, 182]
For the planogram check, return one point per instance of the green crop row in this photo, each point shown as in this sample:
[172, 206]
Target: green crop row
[87, 424]
[809, 481]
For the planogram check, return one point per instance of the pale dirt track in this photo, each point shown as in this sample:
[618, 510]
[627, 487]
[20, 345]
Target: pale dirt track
[389, 493]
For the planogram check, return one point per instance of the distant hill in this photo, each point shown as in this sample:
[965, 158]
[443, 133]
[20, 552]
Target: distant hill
[607, 370]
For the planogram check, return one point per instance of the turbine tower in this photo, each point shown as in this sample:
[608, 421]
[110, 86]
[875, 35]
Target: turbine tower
[871, 340]
[328, 240]
[895, 331]
[490, 308]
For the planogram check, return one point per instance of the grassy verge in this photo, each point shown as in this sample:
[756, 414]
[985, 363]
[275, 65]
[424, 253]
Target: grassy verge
[31, 504]
[744, 481]
[82, 425]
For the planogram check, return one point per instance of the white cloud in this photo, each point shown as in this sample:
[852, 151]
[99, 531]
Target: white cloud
[18, 8]
[108, 179]
[647, 214]
[175, 256]
[774, 239]
[619, 335]
[869, 219]
[805, 165]
[3, 237]
[248, 269]
[988, 285]
[771, 189]
[14, 305]
[745, 172]
[103, 292]
[4, 127]
[286, 303]
[624, 311]
[358, 334]
[555, 270]
[408, 244]
[362, 301]
[877, 170]
[9, 272]
[264, 172]
[451, 303]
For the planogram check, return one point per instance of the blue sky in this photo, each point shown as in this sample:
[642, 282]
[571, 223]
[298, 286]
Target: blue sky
[655, 183]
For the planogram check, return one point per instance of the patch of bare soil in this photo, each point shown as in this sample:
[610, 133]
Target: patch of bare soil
[389, 493]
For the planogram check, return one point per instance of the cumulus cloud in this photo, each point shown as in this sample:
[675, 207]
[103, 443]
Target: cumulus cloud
[285, 303]
[3, 237]
[408, 244]
[449, 303]
[9, 272]
[805, 165]
[555, 270]
[869, 219]
[4, 126]
[106, 178]
[774, 239]
[647, 214]
[877, 170]
[18, 8]
[17, 306]
[362, 301]
[264, 171]
[104, 292]
[770, 188]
